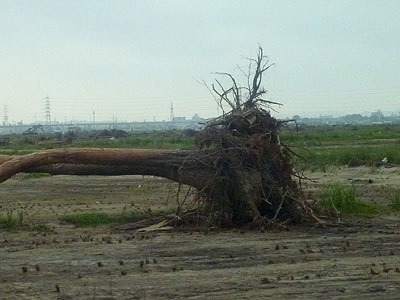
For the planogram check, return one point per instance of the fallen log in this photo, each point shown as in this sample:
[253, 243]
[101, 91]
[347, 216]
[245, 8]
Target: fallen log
[96, 161]
[242, 172]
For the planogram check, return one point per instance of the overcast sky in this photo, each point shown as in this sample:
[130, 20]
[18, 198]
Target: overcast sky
[132, 58]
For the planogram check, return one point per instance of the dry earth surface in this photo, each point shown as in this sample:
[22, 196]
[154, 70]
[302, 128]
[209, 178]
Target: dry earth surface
[358, 260]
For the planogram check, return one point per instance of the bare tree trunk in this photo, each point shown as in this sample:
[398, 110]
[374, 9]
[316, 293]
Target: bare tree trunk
[93, 161]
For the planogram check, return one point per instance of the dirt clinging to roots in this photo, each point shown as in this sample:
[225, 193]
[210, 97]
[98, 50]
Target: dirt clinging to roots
[251, 178]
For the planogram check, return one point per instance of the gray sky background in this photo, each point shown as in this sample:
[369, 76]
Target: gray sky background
[132, 58]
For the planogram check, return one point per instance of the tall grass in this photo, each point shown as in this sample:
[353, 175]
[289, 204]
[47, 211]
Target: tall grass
[348, 155]
[93, 219]
[395, 200]
[10, 221]
[339, 134]
[20, 144]
[344, 200]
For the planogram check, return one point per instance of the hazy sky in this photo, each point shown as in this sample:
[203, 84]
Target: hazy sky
[132, 58]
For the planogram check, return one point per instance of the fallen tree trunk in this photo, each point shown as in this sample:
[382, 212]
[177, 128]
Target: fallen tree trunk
[92, 161]
[242, 172]
[224, 176]
[96, 170]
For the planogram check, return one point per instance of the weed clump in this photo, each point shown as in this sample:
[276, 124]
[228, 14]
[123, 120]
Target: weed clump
[87, 219]
[340, 200]
[8, 221]
[395, 200]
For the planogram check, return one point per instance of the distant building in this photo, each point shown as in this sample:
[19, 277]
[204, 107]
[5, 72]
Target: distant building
[377, 116]
[354, 119]
[179, 119]
[197, 118]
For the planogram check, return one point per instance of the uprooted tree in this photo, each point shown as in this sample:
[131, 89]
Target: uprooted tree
[241, 170]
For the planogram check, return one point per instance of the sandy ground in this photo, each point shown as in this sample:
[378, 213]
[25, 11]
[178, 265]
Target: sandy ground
[359, 260]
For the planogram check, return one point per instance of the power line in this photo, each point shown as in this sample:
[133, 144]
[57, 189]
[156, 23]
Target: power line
[47, 110]
[171, 116]
[5, 116]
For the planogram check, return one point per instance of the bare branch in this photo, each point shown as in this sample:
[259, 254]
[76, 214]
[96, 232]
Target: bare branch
[250, 95]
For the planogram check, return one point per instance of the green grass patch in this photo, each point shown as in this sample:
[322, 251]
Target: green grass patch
[87, 219]
[14, 152]
[93, 219]
[174, 139]
[10, 221]
[395, 200]
[324, 146]
[35, 176]
[339, 134]
[344, 200]
[320, 158]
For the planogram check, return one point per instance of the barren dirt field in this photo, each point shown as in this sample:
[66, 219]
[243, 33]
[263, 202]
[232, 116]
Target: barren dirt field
[356, 260]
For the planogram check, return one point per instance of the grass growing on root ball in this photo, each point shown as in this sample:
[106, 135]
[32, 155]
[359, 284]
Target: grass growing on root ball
[337, 198]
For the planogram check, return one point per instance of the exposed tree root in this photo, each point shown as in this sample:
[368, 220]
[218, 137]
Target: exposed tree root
[242, 172]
